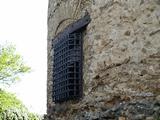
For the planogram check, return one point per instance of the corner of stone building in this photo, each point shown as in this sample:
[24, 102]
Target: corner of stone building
[121, 59]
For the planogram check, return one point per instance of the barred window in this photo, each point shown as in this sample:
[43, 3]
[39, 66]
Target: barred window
[68, 62]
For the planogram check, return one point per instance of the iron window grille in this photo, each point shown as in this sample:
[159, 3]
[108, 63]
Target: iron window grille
[68, 62]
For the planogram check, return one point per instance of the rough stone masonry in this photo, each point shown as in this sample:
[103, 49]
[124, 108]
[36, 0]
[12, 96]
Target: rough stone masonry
[121, 59]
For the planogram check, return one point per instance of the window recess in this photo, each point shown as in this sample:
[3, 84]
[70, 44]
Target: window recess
[68, 62]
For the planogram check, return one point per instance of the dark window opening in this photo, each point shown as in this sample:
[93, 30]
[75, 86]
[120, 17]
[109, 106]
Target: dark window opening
[68, 62]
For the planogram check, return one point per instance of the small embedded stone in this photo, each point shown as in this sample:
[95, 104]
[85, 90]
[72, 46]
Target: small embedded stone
[127, 33]
[142, 1]
[140, 117]
[143, 72]
[121, 118]
[149, 118]
[97, 77]
[97, 37]
[144, 50]
[158, 98]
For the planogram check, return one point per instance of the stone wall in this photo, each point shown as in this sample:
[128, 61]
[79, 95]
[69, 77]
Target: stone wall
[121, 59]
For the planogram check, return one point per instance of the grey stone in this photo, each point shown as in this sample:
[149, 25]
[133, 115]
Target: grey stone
[149, 118]
[139, 117]
[158, 98]
[109, 114]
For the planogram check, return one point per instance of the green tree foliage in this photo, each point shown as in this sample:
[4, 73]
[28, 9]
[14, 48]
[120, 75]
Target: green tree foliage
[11, 65]
[8, 100]
[12, 109]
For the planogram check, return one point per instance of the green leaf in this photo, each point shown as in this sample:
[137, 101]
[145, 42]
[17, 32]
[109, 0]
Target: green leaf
[11, 65]
[13, 109]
